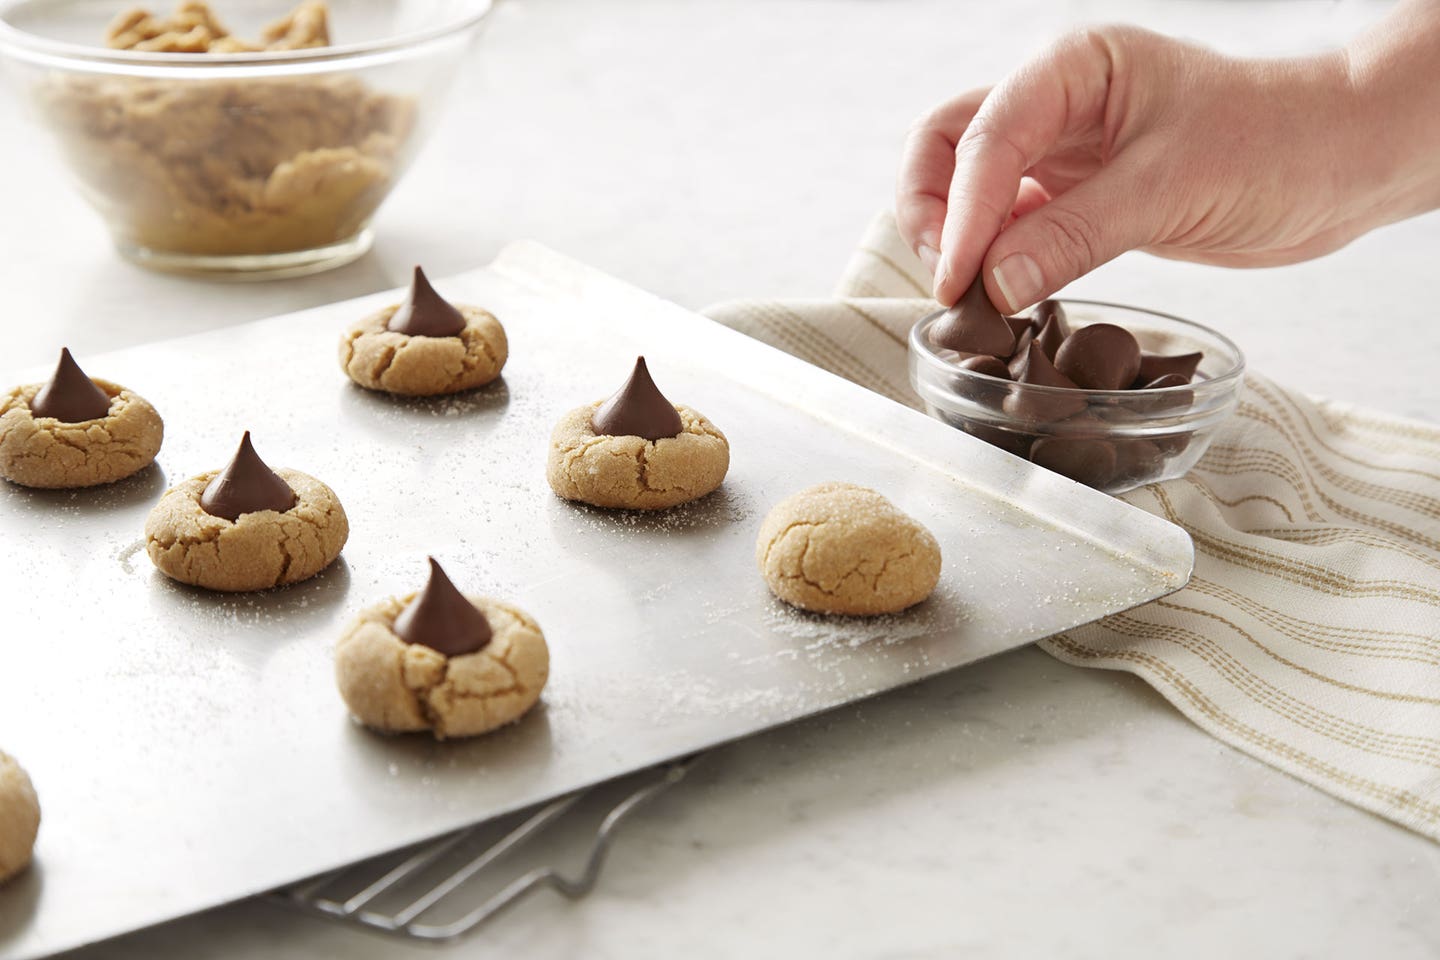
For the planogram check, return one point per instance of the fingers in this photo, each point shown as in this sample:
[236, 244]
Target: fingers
[926, 166]
[1058, 93]
[1059, 241]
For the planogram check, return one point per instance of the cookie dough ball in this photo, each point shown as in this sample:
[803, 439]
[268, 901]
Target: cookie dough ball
[258, 548]
[19, 818]
[107, 432]
[396, 686]
[636, 450]
[840, 548]
[424, 346]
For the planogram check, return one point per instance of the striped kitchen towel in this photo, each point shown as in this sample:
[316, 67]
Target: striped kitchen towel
[1310, 634]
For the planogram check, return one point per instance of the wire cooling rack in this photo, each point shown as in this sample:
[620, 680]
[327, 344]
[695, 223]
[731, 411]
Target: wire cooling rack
[442, 889]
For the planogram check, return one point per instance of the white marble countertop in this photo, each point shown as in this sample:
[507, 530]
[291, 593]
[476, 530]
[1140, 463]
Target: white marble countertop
[1021, 807]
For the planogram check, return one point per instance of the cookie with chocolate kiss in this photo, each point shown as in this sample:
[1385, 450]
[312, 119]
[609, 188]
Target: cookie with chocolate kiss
[75, 431]
[246, 527]
[636, 450]
[424, 346]
[441, 661]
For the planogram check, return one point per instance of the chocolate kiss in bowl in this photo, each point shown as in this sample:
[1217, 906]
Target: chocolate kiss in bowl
[973, 325]
[1088, 461]
[637, 409]
[1101, 356]
[442, 618]
[988, 365]
[1153, 366]
[1031, 404]
[70, 396]
[1052, 333]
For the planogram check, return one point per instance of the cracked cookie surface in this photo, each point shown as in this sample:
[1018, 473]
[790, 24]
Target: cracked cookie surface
[842, 548]
[631, 472]
[378, 358]
[400, 687]
[19, 818]
[51, 454]
[255, 552]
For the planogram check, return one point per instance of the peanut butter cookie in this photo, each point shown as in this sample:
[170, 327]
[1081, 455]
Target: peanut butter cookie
[75, 431]
[424, 346]
[246, 527]
[840, 548]
[636, 450]
[19, 818]
[456, 665]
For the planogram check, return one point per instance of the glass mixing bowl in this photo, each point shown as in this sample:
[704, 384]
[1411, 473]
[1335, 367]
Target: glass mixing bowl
[1113, 440]
[239, 164]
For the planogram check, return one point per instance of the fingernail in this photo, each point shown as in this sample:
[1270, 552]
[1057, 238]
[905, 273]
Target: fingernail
[929, 256]
[1019, 280]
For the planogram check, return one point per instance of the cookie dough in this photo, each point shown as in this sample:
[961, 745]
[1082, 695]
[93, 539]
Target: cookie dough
[19, 818]
[254, 552]
[631, 472]
[841, 548]
[193, 28]
[49, 453]
[227, 167]
[378, 358]
[400, 687]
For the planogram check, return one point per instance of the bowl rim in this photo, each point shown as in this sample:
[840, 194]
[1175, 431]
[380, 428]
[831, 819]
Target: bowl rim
[17, 42]
[1214, 384]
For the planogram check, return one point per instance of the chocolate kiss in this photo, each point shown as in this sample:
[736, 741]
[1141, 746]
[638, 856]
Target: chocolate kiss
[973, 325]
[990, 366]
[424, 313]
[1153, 366]
[246, 485]
[1016, 364]
[1101, 356]
[442, 619]
[70, 396]
[1045, 311]
[637, 409]
[1019, 326]
[1052, 334]
[1030, 405]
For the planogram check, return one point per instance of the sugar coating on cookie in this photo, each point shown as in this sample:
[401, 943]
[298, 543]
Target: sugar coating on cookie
[258, 550]
[52, 454]
[842, 548]
[398, 687]
[378, 358]
[631, 472]
[19, 818]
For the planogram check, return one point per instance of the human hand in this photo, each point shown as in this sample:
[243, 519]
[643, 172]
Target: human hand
[1117, 138]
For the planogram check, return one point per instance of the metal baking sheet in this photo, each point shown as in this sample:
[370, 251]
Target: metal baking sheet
[190, 749]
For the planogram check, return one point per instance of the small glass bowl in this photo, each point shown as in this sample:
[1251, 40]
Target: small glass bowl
[1112, 440]
[243, 165]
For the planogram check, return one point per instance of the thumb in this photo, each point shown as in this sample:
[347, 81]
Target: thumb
[1090, 224]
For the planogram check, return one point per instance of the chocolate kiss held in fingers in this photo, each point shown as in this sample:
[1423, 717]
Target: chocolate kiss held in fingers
[424, 313]
[441, 618]
[973, 325]
[637, 409]
[1101, 356]
[70, 396]
[1153, 366]
[246, 485]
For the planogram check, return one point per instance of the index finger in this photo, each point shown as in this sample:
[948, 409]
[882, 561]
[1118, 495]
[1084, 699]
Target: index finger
[1022, 120]
[927, 166]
